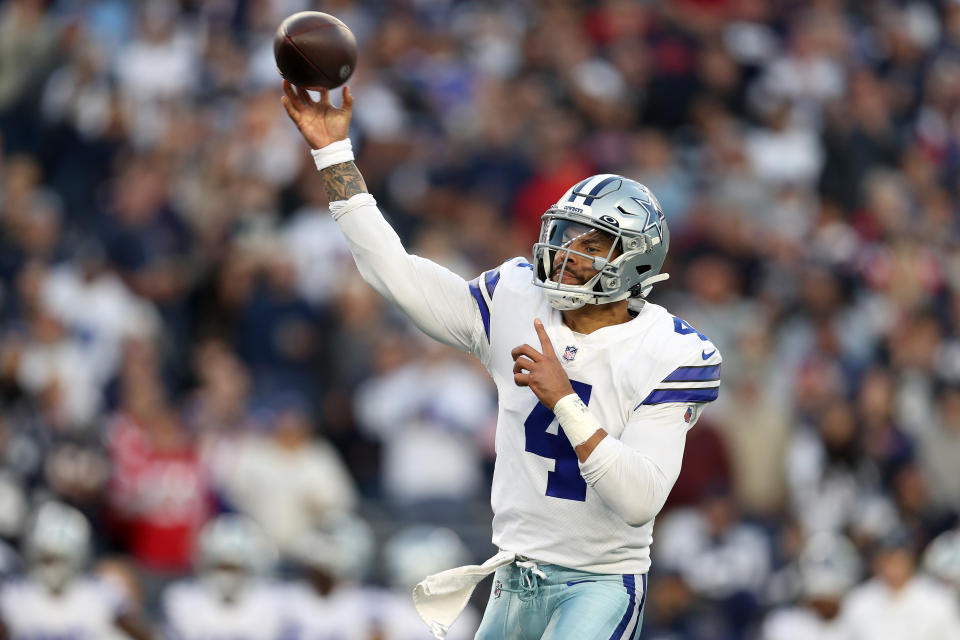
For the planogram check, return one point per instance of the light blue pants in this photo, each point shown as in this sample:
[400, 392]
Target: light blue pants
[565, 605]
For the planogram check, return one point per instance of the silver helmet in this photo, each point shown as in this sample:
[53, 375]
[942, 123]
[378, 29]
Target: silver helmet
[829, 565]
[419, 550]
[232, 551]
[342, 545]
[57, 544]
[626, 218]
[942, 557]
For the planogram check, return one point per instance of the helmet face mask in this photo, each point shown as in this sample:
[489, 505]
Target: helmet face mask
[604, 241]
[227, 581]
[53, 572]
[232, 552]
[57, 545]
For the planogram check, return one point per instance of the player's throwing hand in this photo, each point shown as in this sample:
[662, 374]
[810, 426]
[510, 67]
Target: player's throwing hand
[544, 373]
[319, 121]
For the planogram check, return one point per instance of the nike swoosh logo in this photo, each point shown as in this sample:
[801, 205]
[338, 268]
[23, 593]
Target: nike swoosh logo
[570, 584]
[706, 356]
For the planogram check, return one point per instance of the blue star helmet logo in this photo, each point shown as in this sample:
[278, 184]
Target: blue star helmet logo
[655, 216]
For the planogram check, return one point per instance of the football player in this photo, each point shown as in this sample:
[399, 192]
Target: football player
[230, 599]
[331, 602]
[597, 390]
[56, 598]
[941, 559]
[828, 567]
[408, 555]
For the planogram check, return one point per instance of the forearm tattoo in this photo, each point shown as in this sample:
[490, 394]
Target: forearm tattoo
[343, 181]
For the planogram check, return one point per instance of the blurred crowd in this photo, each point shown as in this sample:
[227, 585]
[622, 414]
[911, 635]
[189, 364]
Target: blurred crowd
[195, 382]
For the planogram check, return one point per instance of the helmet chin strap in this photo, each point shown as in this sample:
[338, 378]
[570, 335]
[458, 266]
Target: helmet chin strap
[646, 285]
[568, 301]
[565, 300]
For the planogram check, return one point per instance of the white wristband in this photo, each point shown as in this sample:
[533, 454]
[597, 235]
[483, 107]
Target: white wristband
[334, 153]
[577, 421]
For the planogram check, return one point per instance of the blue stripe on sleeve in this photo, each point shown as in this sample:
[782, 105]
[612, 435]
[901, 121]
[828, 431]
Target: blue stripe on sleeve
[492, 279]
[630, 585]
[662, 396]
[694, 374]
[482, 304]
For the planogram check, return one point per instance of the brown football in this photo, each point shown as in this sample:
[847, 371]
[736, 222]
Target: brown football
[315, 50]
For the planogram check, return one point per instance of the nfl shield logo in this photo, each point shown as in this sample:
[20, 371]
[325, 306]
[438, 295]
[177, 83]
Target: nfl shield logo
[688, 415]
[497, 589]
[569, 353]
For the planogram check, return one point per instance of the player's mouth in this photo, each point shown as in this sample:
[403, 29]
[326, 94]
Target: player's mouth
[568, 276]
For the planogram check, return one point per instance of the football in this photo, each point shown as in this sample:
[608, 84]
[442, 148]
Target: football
[315, 50]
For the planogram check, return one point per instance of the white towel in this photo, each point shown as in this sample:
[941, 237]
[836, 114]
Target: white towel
[441, 597]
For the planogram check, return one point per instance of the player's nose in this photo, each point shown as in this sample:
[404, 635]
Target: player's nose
[572, 259]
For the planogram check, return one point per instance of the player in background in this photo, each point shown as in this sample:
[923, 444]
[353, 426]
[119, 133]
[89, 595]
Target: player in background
[13, 514]
[597, 390]
[408, 555]
[900, 602]
[941, 559]
[331, 601]
[56, 598]
[230, 599]
[828, 567]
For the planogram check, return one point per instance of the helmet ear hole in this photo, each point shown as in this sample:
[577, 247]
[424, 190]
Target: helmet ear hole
[541, 268]
[643, 269]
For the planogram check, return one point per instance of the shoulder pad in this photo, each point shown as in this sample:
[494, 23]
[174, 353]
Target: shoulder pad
[672, 340]
[516, 273]
[512, 271]
[690, 362]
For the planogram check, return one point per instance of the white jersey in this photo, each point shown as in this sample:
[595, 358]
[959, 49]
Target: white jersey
[362, 613]
[86, 610]
[345, 614]
[398, 620]
[194, 612]
[644, 381]
[799, 623]
[921, 610]
[632, 376]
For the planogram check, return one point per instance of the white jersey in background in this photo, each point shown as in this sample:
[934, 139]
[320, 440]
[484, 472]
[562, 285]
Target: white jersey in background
[645, 381]
[344, 614]
[922, 610]
[362, 613]
[86, 610]
[799, 623]
[194, 612]
[397, 619]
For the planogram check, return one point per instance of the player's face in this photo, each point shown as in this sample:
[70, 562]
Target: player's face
[226, 580]
[582, 240]
[53, 571]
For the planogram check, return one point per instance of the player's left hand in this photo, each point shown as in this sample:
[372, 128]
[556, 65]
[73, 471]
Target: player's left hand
[544, 373]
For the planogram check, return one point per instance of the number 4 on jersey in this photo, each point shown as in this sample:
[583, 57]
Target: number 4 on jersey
[565, 480]
[683, 328]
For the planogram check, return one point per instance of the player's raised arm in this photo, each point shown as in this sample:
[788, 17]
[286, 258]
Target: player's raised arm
[322, 125]
[435, 299]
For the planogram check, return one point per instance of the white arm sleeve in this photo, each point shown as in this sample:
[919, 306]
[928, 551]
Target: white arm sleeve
[437, 300]
[634, 475]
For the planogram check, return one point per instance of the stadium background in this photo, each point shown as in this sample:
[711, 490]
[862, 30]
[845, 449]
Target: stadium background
[182, 331]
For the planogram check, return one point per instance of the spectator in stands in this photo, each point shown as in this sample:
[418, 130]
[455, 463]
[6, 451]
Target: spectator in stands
[805, 154]
[287, 478]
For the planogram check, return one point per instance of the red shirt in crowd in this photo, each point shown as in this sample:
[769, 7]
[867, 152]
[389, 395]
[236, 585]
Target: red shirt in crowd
[159, 495]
